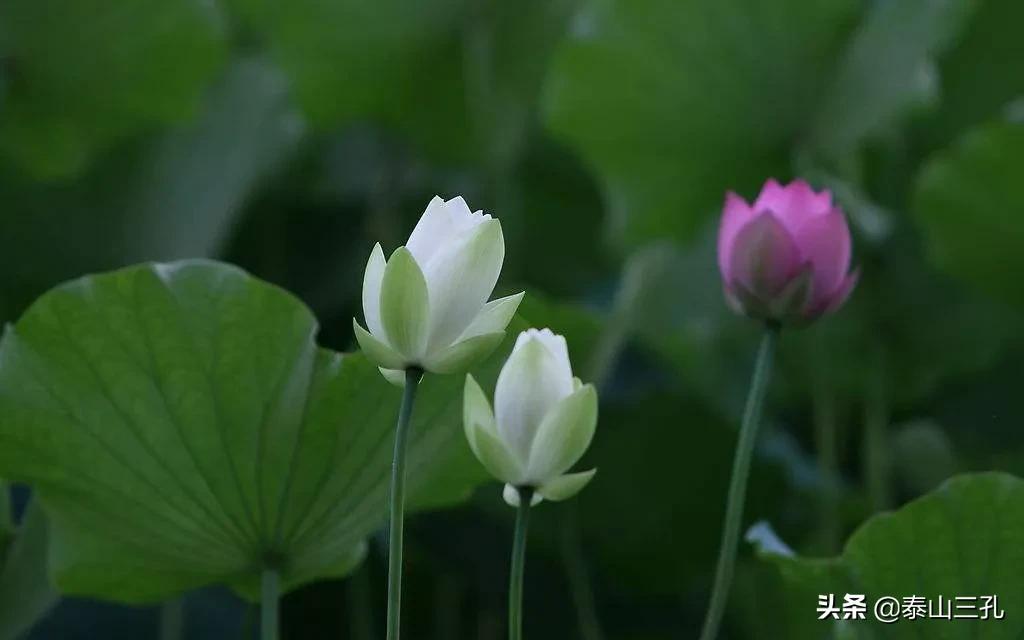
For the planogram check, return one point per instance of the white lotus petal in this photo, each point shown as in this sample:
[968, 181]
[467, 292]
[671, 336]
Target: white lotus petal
[433, 230]
[460, 278]
[556, 345]
[494, 317]
[440, 225]
[371, 292]
[530, 384]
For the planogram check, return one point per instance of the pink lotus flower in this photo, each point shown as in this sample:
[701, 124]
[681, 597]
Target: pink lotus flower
[786, 259]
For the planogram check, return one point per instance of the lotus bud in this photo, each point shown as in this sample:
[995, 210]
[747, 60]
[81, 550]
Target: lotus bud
[786, 258]
[426, 306]
[542, 422]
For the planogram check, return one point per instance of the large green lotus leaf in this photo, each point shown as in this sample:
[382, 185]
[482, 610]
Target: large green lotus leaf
[453, 77]
[182, 427]
[983, 73]
[394, 63]
[83, 74]
[350, 59]
[675, 101]
[885, 69]
[25, 589]
[174, 195]
[890, 335]
[969, 199]
[961, 540]
[667, 440]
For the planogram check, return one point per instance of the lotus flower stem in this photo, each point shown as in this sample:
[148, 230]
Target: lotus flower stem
[826, 427]
[361, 601]
[738, 484]
[413, 376]
[515, 585]
[876, 441]
[578, 575]
[172, 619]
[270, 595]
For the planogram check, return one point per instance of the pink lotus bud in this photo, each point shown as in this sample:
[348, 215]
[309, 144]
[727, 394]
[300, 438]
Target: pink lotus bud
[785, 259]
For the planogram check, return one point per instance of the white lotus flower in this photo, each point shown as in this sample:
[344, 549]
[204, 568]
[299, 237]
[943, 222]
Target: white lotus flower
[542, 423]
[426, 307]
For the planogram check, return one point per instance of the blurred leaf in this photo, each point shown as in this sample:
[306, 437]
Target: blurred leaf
[580, 326]
[923, 456]
[907, 328]
[84, 74]
[653, 513]
[683, 317]
[968, 200]
[350, 60]
[182, 428]
[961, 540]
[25, 591]
[453, 76]
[764, 604]
[555, 216]
[982, 414]
[675, 101]
[174, 197]
[885, 69]
[503, 77]
[983, 73]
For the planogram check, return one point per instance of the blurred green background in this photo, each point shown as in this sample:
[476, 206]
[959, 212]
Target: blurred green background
[288, 137]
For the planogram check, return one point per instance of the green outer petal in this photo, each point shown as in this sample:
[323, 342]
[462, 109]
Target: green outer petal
[475, 407]
[394, 376]
[563, 435]
[375, 350]
[566, 486]
[494, 455]
[372, 279]
[404, 305]
[495, 316]
[462, 355]
[478, 422]
[511, 497]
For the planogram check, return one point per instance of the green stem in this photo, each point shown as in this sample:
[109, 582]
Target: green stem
[515, 585]
[738, 485]
[270, 596]
[447, 607]
[360, 592]
[617, 331]
[248, 622]
[826, 431]
[876, 443]
[412, 381]
[172, 619]
[578, 575]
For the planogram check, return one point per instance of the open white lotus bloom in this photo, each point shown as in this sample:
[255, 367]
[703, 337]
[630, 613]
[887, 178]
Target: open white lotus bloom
[426, 307]
[542, 423]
